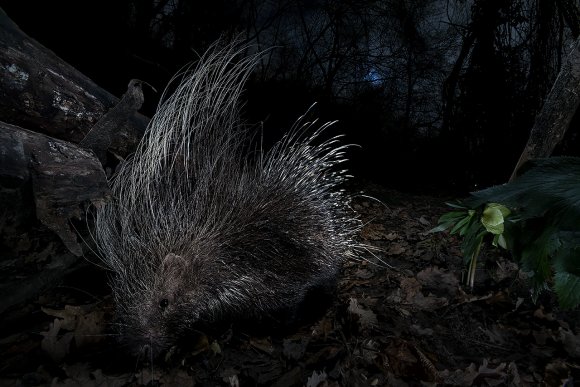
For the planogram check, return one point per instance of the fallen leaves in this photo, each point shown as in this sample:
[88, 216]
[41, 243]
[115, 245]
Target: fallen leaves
[502, 375]
[410, 323]
[294, 349]
[81, 374]
[366, 318]
[84, 324]
[55, 344]
[410, 294]
[438, 280]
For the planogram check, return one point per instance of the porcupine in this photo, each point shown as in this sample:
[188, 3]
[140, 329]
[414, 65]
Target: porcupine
[201, 227]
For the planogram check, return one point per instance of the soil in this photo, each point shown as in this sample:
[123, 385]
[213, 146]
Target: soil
[400, 317]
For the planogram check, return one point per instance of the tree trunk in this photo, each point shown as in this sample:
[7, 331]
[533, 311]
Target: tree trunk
[557, 113]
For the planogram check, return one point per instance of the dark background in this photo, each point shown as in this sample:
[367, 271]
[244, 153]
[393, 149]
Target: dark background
[440, 95]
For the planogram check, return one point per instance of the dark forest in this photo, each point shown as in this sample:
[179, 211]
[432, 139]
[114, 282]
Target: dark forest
[429, 90]
[441, 98]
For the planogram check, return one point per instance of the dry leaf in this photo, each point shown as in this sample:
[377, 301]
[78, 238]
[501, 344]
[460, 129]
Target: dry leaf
[435, 278]
[180, 377]
[264, 345]
[424, 221]
[373, 232]
[80, 374]
[429, 302]
[571, 342]
[230, 377]
[323, 327]
[68, 315]
[366, 318]
[409, 288]
[89, 328]
[295, 349]
[87, 325]
[411, 293]
[396, 249]
[316, 379]
[56, 347]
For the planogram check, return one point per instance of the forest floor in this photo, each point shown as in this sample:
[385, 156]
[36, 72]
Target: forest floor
[405, 321]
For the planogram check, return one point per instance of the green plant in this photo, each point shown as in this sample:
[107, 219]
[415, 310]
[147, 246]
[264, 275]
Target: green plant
[473, 224]
[538, 221]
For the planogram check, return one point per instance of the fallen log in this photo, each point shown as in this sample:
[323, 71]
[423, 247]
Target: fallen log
[44, 182]
[43, 93]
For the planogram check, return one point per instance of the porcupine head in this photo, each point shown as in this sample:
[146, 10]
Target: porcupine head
[202, 226]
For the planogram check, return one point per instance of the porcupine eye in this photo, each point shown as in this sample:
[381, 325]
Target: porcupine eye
[164, 303]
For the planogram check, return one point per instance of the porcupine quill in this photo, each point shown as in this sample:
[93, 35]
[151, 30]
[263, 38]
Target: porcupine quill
[200, 228]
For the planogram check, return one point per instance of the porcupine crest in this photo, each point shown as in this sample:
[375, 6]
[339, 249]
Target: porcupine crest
[200, 228]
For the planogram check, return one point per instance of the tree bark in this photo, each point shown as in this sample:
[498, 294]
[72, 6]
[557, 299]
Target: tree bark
[557, 113]
[40, 91]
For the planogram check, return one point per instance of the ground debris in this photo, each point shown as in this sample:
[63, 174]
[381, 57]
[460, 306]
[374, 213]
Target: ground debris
[402, 317]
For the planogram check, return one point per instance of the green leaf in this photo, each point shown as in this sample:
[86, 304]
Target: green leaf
[567, 287]
[453, 215]
[460, 225]
[535, 258]
[501, 241]
[471, 227]
[440, 228]
[472, 242]
[458, 206]
[448, 220]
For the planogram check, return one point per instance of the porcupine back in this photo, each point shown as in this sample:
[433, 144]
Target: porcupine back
[200, 227]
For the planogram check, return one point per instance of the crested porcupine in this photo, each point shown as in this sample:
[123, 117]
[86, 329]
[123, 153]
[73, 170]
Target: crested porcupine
[201, 226]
